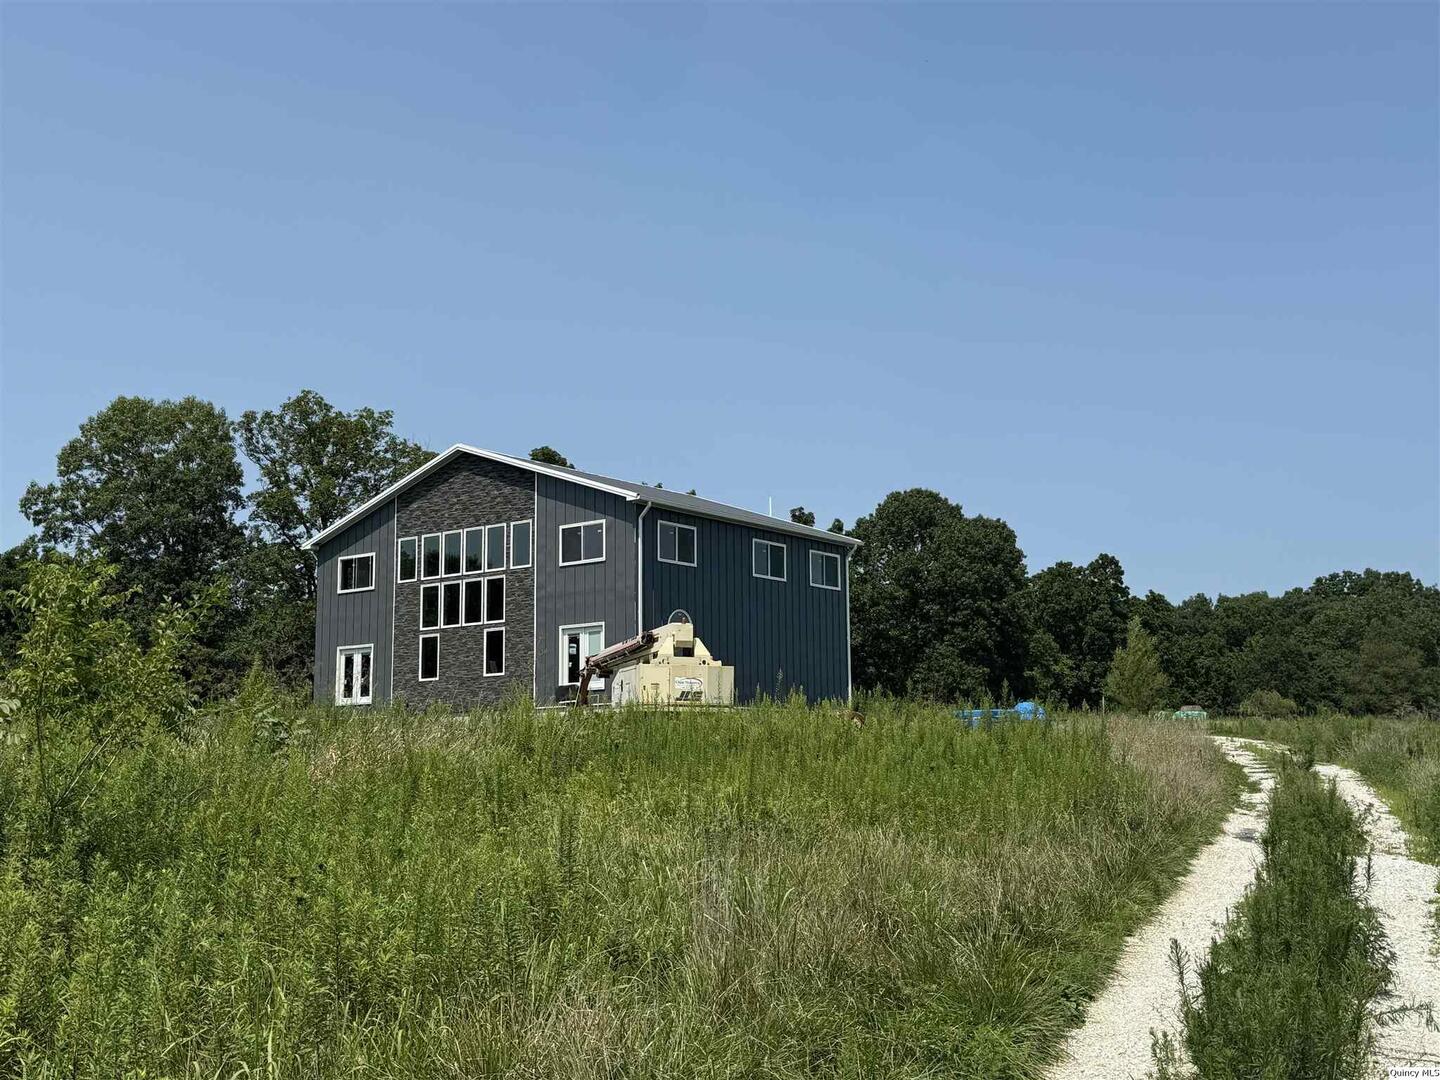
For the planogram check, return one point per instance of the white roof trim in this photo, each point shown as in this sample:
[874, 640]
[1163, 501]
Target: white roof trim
[438, 460]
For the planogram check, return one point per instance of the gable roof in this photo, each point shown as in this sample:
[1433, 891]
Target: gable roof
[630, 492]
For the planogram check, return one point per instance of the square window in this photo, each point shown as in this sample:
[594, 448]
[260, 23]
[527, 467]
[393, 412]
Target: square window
[676, 543]
[407, 562]
[495, 547]
[495, 651]
[520, 544]
[429, 607]
[430, 556]
[474, 601]
[474, 550]
[824, 570]
[769, 560]
[452, 552]
[450, 608]
[429, 657]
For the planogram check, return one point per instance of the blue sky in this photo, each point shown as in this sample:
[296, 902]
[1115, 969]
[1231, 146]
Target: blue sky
[1154, 280]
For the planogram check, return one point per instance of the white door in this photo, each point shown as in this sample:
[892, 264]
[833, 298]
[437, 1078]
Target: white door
[352, 675]
[577, 645]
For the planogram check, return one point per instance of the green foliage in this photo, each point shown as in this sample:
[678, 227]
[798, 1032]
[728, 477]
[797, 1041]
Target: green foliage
[1286, 991]
[837, 526]
[633, 893]
[936, 610]
[1136, 681]
[548, 455]
[1077, 617]
[1269, 704]
[800, 516]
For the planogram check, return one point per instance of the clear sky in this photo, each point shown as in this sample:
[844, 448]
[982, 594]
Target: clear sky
[1158, 280]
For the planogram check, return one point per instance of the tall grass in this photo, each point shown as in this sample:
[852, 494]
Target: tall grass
[771, 893]
[1287, 991]
[1400, 759]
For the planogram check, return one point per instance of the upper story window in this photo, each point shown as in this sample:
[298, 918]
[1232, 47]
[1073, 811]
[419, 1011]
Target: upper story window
[357, 572]
[675, 543]
[824, 570]
[519, 544]
[583, 542]
[474, 550]
[453, 560]
[769, 560]
[407, 561]
[430, 556]
[495, 547]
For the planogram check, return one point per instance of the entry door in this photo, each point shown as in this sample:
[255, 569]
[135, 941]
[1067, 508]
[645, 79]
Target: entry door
[352, 676]
[577, 645]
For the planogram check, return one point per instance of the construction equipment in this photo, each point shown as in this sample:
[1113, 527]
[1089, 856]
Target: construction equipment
[665, 666]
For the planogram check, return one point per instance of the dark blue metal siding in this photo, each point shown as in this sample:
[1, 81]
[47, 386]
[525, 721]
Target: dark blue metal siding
[603, 592]
[362, 618]
[779, 636]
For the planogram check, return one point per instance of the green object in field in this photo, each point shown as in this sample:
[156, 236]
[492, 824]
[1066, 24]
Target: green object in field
[1190, 712]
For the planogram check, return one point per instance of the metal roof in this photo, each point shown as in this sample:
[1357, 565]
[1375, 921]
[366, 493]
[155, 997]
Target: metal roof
[631, 492]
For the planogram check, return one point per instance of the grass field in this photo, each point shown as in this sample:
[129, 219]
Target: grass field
[1400, 759]
[768, 893]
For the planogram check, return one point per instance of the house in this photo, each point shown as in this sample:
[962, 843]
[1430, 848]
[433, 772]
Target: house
[482, 576]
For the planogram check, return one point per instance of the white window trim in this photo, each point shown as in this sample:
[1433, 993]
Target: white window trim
[485, 566]
[531, 559]
[560, 552]
[340, 652]
[824, 555]
[768, 577]
[420, 659]
[694, 543]
[443, 537]
[465, 619]
[465, 549]
[439, 606]
[340, 572]
[460, 605]
[577, 626]
[485, 597]
[485, 656]
[398, 544]
[440, 551]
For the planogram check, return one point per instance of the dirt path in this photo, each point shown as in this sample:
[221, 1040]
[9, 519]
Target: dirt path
[1402, 891]
[1144, 994]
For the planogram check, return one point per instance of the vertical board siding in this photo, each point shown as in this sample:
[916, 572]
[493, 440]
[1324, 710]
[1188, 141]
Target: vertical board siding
[603, 592]
[779, 636]
[362, 618]
[467, 492]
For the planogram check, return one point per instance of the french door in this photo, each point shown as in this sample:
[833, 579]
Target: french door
[577, 645]
[352, 675]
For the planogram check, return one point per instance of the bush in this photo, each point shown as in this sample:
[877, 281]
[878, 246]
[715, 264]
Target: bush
[1268, 704]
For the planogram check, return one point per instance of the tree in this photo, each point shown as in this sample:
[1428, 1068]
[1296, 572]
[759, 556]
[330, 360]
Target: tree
[1267, 703]
[1077, 617]
[316, 463]
[1136, 680]
[935, 609]
[800, 516]
[152, 487]
[837, 526]
[548, 455]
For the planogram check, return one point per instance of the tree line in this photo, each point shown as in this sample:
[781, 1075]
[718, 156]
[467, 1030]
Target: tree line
[943, 604]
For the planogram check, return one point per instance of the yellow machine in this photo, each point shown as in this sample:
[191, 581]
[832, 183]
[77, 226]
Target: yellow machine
[665, 666]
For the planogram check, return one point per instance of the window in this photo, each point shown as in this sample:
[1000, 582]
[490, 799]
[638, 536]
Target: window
[406, 563]
[474, 544]
[429, 657]
[357, 572]
[352, 674]
[495, 547]
[519, 544]
[582, 543]
[769, 560]
[474, 601]
[495, 599]
[429, 607]
[452, 552]
[430, 556]
[495, 651]
[824, 570]
[577, 645]
[450, 608]
[676, 543]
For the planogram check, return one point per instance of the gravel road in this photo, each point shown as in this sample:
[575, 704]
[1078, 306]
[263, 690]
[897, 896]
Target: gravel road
[1144, 994]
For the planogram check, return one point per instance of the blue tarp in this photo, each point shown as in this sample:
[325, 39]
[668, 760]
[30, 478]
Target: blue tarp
[1023, 710]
